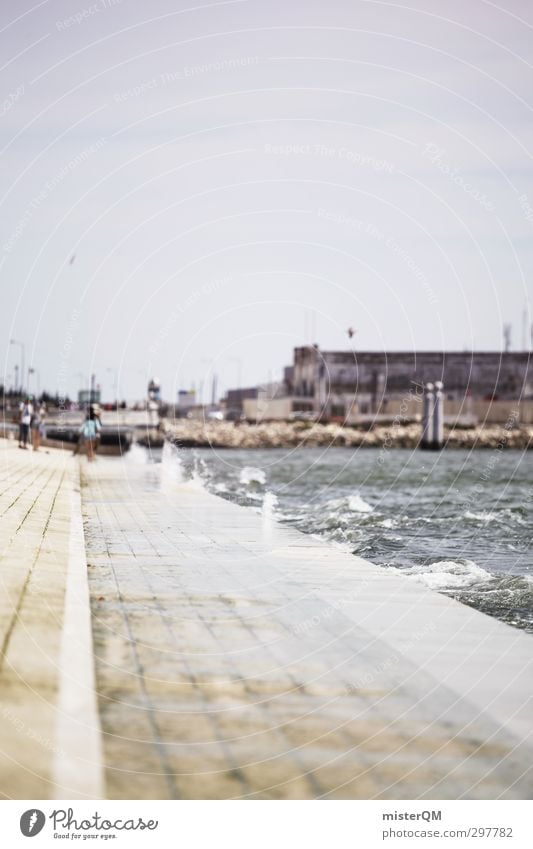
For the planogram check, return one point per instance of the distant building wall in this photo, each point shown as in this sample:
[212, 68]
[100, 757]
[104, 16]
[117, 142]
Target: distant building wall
[381, 375]
[186, 398]
[89, 396]
[235, 398]
[353, 411]
[288, 379]
[274, 389]
[492, 412]
[264, 409]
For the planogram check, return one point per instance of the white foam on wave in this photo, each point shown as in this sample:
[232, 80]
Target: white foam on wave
[201, 474]
[197, 479]
[137, 455]
[250, 475]
[387, 523]
[447, 574]
[195, 482]
[171, 467]
[358, 505]
[487, 516]
[483, 516]
[269, 505]
[351, 503]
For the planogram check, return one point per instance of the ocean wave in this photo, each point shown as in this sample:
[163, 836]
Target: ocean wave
[484, 516]
[350, 503]
[447, 574]
[270, 502]
[250, 475]
[388, 523]
[137, 455]
[358, 505]
[513, 514]
[171, 468]
[220, 487]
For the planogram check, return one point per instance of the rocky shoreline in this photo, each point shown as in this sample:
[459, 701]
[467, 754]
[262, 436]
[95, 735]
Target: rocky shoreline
[187, 433]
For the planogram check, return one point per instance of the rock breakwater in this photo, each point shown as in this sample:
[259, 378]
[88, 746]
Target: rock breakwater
[189, 433]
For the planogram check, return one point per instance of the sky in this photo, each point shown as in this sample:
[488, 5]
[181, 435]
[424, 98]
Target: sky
[196, 188]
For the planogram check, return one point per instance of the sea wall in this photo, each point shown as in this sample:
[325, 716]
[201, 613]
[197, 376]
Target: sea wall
[188, 433]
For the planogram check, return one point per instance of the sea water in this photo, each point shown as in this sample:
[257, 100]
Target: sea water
[460, 522]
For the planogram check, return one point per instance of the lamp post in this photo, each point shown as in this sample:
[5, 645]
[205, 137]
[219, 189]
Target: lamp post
[84, 381]
[32, 370]
[208, 373]
[22, 355]
[238, 362]
[114, 372]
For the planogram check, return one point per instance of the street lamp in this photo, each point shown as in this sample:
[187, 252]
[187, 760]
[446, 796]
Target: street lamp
[114, 372]
[84, 381]
[208, 373]
[238, 361]
[32, 370]
[22, 353]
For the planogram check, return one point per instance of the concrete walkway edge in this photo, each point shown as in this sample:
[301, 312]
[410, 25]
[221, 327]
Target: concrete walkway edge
[77, 767]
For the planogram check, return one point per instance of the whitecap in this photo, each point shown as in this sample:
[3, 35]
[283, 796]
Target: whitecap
[250, 475]
[137, 455]
[195, 482]
[220, 487]
[387, 523]
[448, 574]
[358, 505]
[483, 516]
[269, 505]
[171, 467]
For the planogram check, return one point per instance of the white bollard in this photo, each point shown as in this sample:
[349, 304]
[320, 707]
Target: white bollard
[427, 416]
[438, 416]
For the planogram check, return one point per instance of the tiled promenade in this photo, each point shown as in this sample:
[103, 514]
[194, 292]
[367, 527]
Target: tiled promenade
[236, 658]
[38, 494]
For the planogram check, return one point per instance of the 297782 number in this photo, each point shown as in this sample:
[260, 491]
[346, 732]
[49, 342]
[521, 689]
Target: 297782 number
[481, 831]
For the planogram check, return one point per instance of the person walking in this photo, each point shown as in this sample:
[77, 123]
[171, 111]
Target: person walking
[89, 432]
[38, 430]
[96, 414]
[26, 413]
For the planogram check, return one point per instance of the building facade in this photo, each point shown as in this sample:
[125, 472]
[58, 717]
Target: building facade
[346, 383]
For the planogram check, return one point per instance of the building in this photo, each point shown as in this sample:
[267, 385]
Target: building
[235, 398]
[352, 385]
[88, 396]
[186, 399]
[274, 400]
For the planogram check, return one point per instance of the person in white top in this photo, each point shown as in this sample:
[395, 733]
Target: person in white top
[26, 413]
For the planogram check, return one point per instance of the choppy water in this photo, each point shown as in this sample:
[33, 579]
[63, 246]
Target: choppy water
[460, 522]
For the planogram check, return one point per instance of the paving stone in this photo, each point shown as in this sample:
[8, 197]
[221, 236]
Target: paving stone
[35, 512]
[259, 647]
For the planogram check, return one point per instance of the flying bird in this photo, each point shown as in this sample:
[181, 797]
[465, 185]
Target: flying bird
[351, 332]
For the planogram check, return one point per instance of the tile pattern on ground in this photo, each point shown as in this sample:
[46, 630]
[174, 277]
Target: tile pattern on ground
[238, 658]
[35, 515]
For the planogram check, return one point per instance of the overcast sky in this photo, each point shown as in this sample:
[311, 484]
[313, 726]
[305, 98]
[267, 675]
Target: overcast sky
[194, 183]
